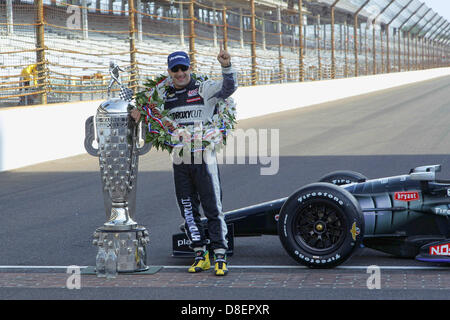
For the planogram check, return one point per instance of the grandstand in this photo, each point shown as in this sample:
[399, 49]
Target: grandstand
[77, 55]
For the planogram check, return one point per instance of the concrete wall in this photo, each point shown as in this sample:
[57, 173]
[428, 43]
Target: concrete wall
[29, 135]
[262, 100]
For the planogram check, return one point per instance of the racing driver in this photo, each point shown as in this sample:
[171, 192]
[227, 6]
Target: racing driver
[191, 101]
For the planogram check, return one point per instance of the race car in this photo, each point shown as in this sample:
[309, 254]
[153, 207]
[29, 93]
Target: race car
[322, 224]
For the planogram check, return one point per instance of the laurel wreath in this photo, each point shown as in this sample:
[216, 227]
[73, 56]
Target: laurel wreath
[166, 134]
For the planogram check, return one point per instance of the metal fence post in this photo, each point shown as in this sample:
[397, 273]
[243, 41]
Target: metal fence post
[280, 56]
[9, 17]
[241, 27]
[254, 75]
[355, 32]
[139, 20]
[345, 49]
[225, 28]
[319, 58]
[181, 15]
[263, 26]
[40, 52]
[399, 50]
[192, 35]
[374, 48]
[84, 15]
[214, 25]
[388, 50]
[333, 45]
[300, 37]
[408, 52]
[133, 63]
[382, 49]
[366, 45]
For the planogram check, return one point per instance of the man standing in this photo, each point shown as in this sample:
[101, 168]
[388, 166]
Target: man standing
[190, 101]
[28, 74]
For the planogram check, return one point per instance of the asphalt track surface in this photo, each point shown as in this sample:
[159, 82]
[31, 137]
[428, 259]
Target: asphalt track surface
[50, 210]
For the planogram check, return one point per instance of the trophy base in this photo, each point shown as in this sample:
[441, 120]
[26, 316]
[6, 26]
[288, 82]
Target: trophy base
[129, 245]
[119, 227]
[119, 218]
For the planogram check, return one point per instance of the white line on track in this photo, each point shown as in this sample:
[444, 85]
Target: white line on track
[250, 267]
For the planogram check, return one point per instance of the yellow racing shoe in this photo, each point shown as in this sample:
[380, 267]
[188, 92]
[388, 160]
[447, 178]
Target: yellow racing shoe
[201, 262]
[220, 268]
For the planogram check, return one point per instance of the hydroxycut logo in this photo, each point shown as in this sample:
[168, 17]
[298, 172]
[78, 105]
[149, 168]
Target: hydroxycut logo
[406, 196]
[189, 217]
[440, 250]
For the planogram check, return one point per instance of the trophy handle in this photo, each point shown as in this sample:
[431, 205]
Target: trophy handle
[147, 146]
[90, 137]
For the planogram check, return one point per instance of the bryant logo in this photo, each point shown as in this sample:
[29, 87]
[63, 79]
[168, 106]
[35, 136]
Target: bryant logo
[440, 250]
[406, 196]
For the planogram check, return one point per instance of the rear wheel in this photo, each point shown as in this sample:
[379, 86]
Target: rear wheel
[321, 225]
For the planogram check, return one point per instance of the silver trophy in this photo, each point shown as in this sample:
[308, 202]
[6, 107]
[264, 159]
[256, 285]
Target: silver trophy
[118, 150]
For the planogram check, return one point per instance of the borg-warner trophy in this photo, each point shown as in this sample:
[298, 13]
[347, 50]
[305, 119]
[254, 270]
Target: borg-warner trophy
[118, 150]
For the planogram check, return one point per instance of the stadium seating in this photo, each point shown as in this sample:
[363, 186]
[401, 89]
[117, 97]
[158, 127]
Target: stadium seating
[72, 61]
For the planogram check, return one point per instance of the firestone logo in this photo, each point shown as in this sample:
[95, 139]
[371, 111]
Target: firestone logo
[440, 250]
[406, 196]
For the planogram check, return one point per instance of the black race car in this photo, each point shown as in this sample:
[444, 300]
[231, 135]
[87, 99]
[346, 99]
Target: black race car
[322, 224]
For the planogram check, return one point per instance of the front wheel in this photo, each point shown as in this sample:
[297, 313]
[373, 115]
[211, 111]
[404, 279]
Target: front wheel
[321, 225]
[342, 177]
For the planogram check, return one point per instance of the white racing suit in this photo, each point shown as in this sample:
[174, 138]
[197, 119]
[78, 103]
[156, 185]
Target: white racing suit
[199, 183]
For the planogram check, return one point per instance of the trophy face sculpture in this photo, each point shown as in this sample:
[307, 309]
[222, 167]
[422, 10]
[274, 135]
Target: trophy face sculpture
[118, 150]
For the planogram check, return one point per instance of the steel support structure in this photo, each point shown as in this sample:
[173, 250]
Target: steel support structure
[426, 43]
[437, 45]
[400, 31]
[355, 35]
[387, 28]
[433, 44]
[422, 44]
[409, 33]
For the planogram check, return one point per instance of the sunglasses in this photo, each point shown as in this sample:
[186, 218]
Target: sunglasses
[178, 67]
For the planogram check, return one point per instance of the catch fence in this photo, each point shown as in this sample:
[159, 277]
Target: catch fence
[271, 41]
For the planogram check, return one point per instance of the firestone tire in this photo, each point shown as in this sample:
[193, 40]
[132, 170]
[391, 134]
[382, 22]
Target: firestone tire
[321, 225]
[340, 178]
